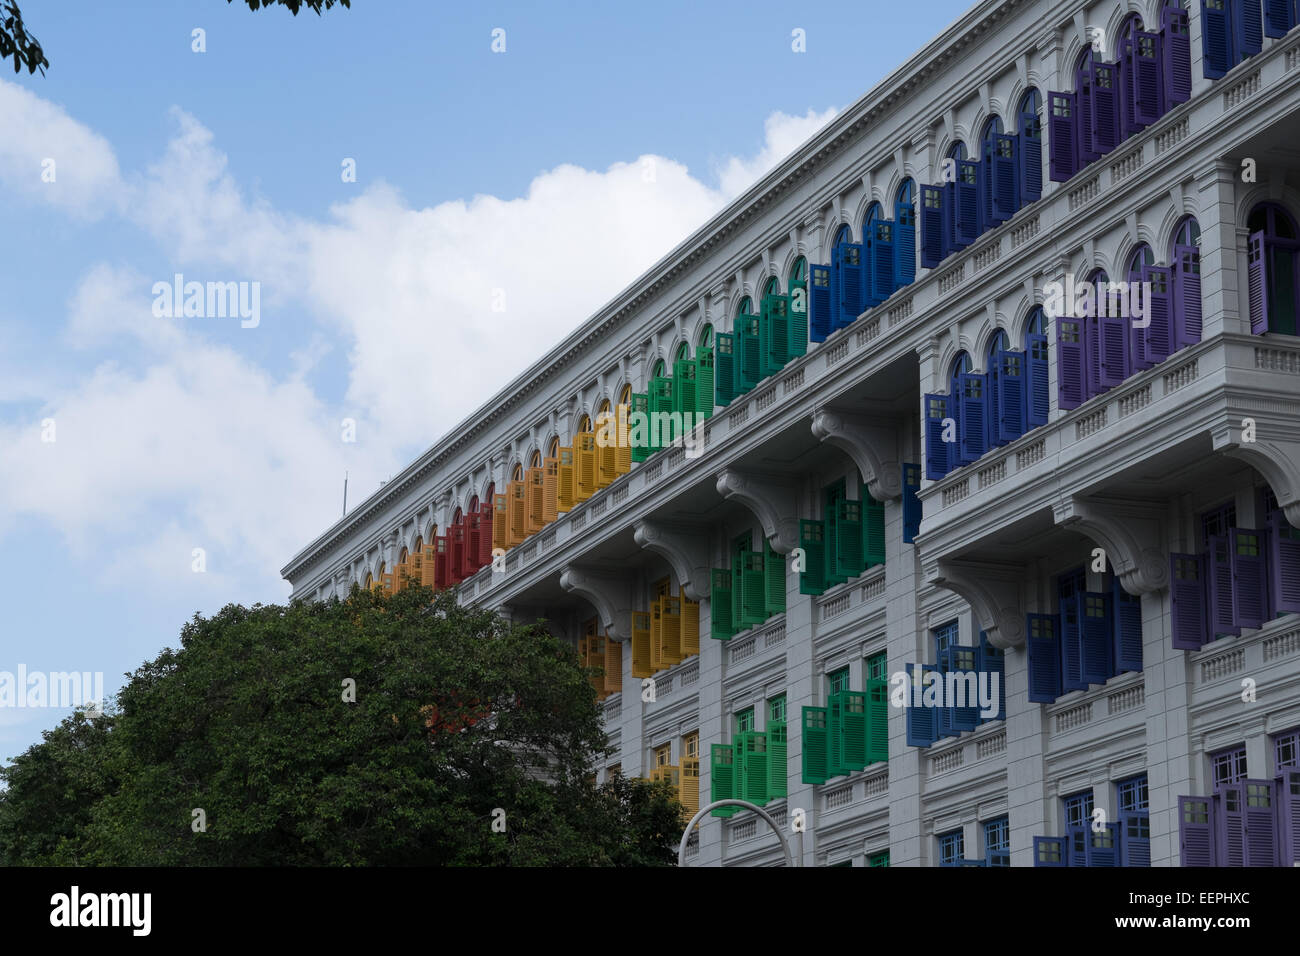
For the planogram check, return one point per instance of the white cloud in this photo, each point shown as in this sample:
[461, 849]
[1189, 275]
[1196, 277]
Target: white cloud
[110, 303]
[783, 134]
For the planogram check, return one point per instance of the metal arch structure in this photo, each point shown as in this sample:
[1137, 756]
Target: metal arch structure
[790, 859]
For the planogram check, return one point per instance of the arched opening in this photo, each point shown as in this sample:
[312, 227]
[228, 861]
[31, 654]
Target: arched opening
[1037, 401]
[584, 421]
[535, 461]
[683, 352]
[553, 449]
[705, 342]
[1272, 264]
[799, 271]
[772, 286]
[843, 235]
[869, 220]
[517, 473]
[904, 234]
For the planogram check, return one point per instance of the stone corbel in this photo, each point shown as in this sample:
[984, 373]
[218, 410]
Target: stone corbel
[1278, 460]
[992, 589]
[610, 593]
[772, 500]
[873, 446]
[1130, 532]
[684, 547]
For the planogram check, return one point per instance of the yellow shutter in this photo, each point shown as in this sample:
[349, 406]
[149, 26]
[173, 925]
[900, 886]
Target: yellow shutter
[584, 447]
[500, 522]
[564, 495]
[613, 666]
[427, 566]
[623, 453]
[606, 467]
[641, 644]
[657, 662]
[550, 489]
[690, 627]
[387, 582]
[533, 509]
[516, 532]
[670, 628]
[399, 576]
[690, 786]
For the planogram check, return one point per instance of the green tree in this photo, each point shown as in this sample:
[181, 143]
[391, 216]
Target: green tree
[458, 716]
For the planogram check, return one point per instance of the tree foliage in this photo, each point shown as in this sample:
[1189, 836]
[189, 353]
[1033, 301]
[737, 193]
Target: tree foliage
[457, 716]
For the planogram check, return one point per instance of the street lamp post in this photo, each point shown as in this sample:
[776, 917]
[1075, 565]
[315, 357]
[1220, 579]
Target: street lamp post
[790, 859]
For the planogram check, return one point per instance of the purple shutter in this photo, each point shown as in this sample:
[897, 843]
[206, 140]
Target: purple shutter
[1049, 851]
[1105, 113]
[1230, 817]
[1070, 370]
[1157, 343]
[1137, 353]
[1261, 823]
[1257, 283]
[1006, 194]
[1037, 401]
[1029, 158]
[1176, 44]
[1189, 599]
[1249, 575]
[1084, 148]
[1043, 651]
[937, 462]
[1247, 28]
[932, 238]
[1092, 357]
[1095, 641]
[1187, 296]
[1061, 151]
[1103, 846]
[974, 415]
[1114, 350]
[1279, 17]
[1288, 817]
[1216, 39]
[1223, 611]
[1147, 78]
[1128, 124]
[1196, 831]
[1071, 652]
[1126, 628]
[1284, 565]
[1011, 395]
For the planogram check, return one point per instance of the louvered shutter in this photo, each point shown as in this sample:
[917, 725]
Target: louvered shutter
[1284, 565]
[877, 720]
[566, 479]
[754, 747]
[704, 383]
[904, 244]
[1011, 395]
[670, 629]
[964, 660]
[882, 275]
[1279, 17]
[966, 223]
[814, 745]
[1247, 29]
[533, 517]
[1222, 604]
[1230, 817]
[1085, 149]
[775, 330]
[853, 730]
[974, 415]
[1096, 642]
[456, 550]
[441, 575]
[1063, 160]
[1036, 401]
[1103, 847]
[932, 229]
[1176, 47]
[1071, 649]
[777, 756]
[1257, 282]
[911, 503]
[1071, 372]
[690, 627]
[773, 582]
[486, 534]
[613, 666]
[992, 660]
[724, 384]
[872, 516]
[749, 365]
[937, 460]
[812, 580]
[1134, 838]
[1288, 817]
[1186, 268]
[1005, 181]
[1148, 78]
[1260, 823]
[641, 667]
[657, 661]
[1158, 335]
[685, 382]
[797, 327]
[1105, 108]
[1216, 39]
[1249, 550]
[1043, 650]
[848, 561]
[1126, 628]
[1113, 349]
[473, 543]
[428, 567]
[1029, 159]
[1195, 831]
[753, 595]
[820, 318]
[850, 283]
[922, 726]
[722, 783]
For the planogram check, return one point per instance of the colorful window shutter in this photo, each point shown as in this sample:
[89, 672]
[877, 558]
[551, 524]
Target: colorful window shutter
[456, 547]
[964, 660]
[440, 572]
[1029, 159]
[814, 744]
[661, 404]
[1113, 347]
[1176, 45]
[753, 589]
[613, 666]
[1230, 825]
[852, 736]
[974, 415]
[1257, 281]
[1105, 107]
[797, 327]
[657, 661]
[834, 731]
[911, 502]
[584, 454]
[1009, 368]
[704, 383]
[565, 481]
[1005, 180]
[1249, 576]
[606, 452]
[877, 720]
[1134, 838]
[937, 463]
[773, 582]
[774, 330]
[1037, 401]
[1158, 336]
[1186, 303]
[690, 785]
[1126, 628]
[904, 244]
[1128, 124]
[623, 447]
[685, 383]
[722, 627]
[1049, 851]
[724, 386]
[1071, 372]
[777, 769]
[1222, 603]
[536, 487]
[1288, 817]
[1247, 29]
[690, 627]
[848, 539]
[749, 364]
[992, 660]
[1196, 831]
[1063, 161]
[820, 320]
[1103, 847]
[933, 241]
[873, 530]
[1279, 17]
[428, 566]
[966, 222]
[1260, 823]
[1071, 650]
[812, 580]
[722, 782]
[883, 281]
[670, 629]
[641, 644]
[1188, 600]
[1085, 150]
[1043, 649]
[850, 283]
[922, 729]
[1216, 39]
[1096, 643]
[751, 754]
[1148, 78]
[1284, 565]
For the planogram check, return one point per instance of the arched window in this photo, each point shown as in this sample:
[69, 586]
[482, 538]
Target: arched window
[553, 448]
[657, 370]
[536, 460]
[1272, 264]
[584, 423]
[1139, 259]
[517, 473]
[1036, 391]
[799, 271]
[624, 398]
[706, 338]
[746, 307]
[772, 286]
[1188, 233]
[958, 150]
[868, 221]
[473, 504]
[904, 234]
[683, 352]
[419, 544]
[961, 365]
[998, 342]
[842, 235]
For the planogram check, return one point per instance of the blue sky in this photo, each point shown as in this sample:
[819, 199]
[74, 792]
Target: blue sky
[476, 171]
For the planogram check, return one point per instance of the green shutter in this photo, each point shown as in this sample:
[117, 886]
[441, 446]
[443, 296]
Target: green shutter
[640, 407]
[774, 581]
[720, 606]
[776, 760]
[749, 347]
[834, 725]
[753, 584]
[725, 369]
[852, 731]
[834, 495]
[848, 539]
[774, 327]
[812, 580]
[798, 326]
[873, 530]
[685, 381]
[704, 382]
[751, 760]
[722, 777]
[661, 401]
[877, 720]
[814, 744]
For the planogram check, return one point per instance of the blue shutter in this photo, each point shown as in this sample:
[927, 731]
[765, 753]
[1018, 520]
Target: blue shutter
[1095, 640]
[1105, 107]
[966, 223]
[849, 283]
[1063, 160]
[1158, 337]
[1071, 651]
[882, 260]
[1029, 159]
[820, 320]
[1005, 179]
[1126, 627]
[1037, 401]
[911, 503]
[1127, 98]
[984, 187]
[992, 660]
[904, 244]
[1085, 149]
[920, 720]
[1011, 395]
[1103, 847]
[937, 462]
[932, 237]
[974, 407]
[1196, 831]
[1076, 845]
[1134, 838]
[1247, 29]
[965, 660]
[1049, 851]
[869, 298]
[1148, 77]
[1279, 17]
[1043, 650]
[1071, 367]
[1216, 39]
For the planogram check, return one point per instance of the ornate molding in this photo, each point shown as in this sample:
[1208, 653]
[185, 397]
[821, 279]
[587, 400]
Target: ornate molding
[1277, 460]
[609, 592]
[686, 550]
[872, 445]
[1130, 532]
[992, 589]
[772, 501]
